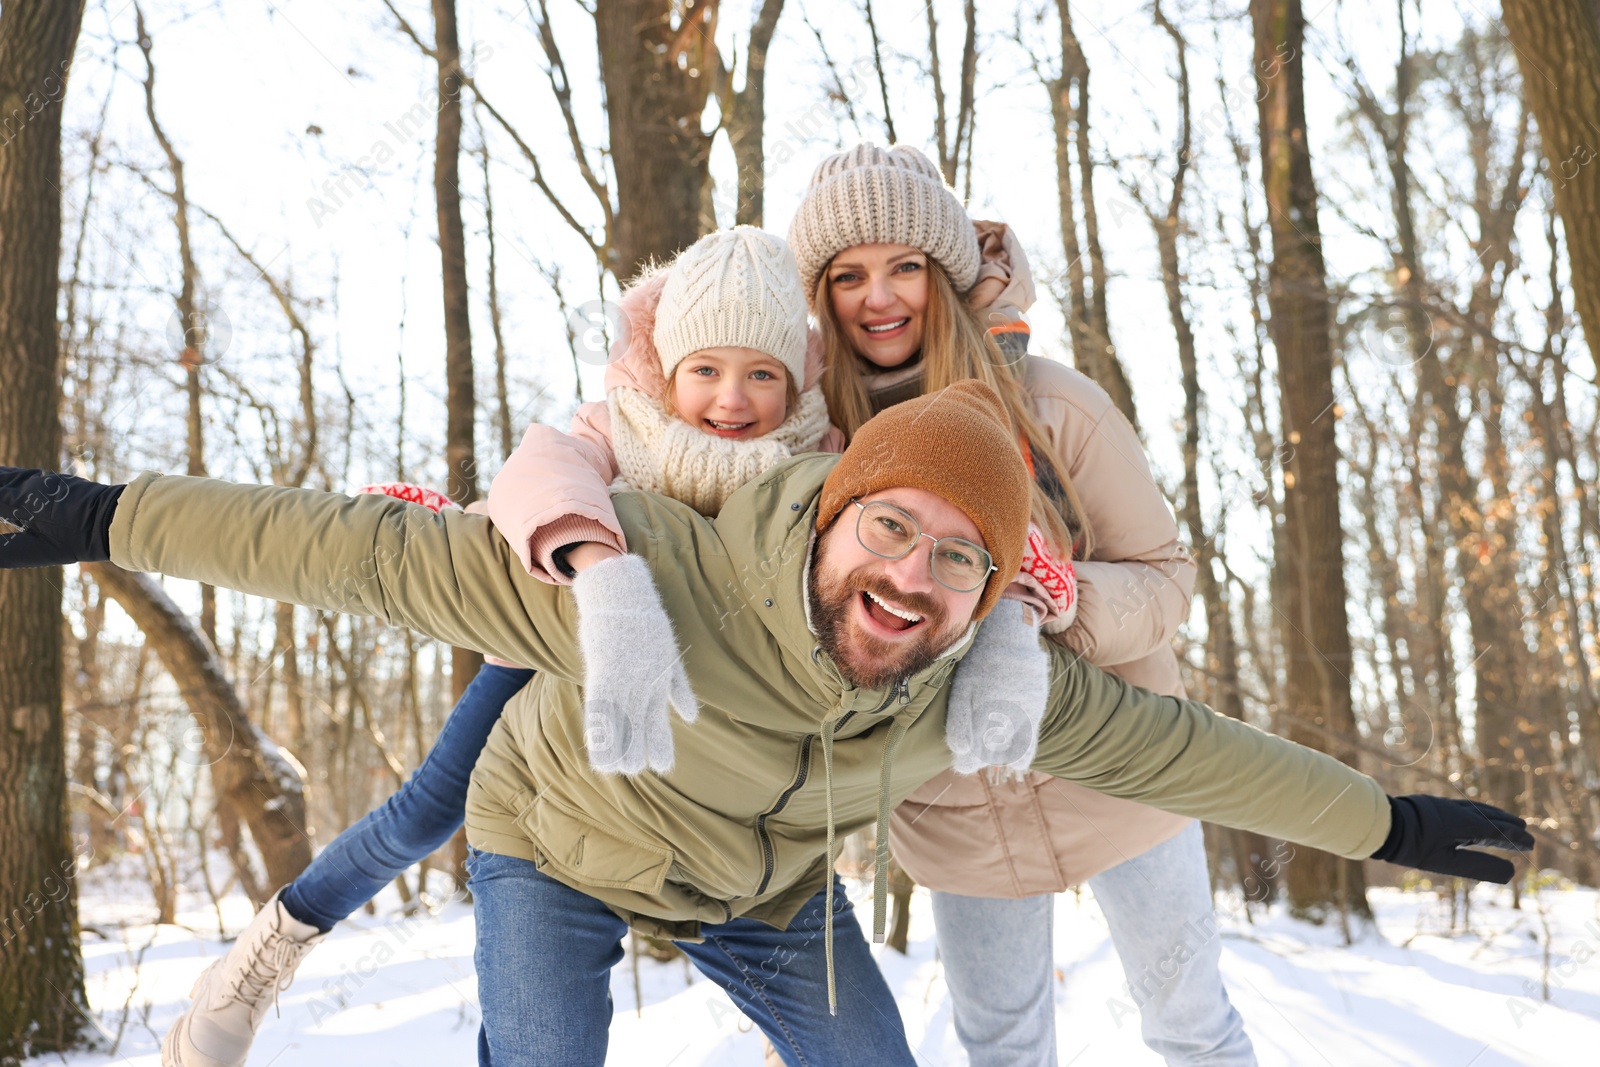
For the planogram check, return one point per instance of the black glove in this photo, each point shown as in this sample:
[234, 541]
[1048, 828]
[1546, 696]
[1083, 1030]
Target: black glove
[1440, 835]
[63, 519]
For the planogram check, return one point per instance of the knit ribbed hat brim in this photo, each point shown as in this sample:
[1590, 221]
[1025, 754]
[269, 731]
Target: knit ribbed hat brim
[735, 288]
[958, 444]
[874, 195]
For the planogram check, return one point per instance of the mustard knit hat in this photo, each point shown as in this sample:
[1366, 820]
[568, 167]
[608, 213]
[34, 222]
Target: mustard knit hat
[874, 195]
[736, 287]
[956, 443]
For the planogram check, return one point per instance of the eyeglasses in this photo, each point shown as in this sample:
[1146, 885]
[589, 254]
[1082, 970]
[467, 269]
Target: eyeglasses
[887, 531]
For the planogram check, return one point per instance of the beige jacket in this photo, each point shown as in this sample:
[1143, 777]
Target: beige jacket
[965, 834]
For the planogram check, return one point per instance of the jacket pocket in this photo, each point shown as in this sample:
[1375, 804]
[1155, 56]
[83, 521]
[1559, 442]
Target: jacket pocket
[587, 852]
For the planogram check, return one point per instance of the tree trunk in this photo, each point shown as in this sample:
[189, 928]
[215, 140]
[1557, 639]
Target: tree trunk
[257, 783]
[656, 78]
[461, 402]
[1310, 540]
[745, 117]
[1092, 351]
[193, 355]
[1221, 691]
[42, 1001]
[502, 394]
[1485, 538]
[1558, 48]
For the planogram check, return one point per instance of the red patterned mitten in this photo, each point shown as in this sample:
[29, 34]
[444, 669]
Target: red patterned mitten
[1056, 575]
[431, 499]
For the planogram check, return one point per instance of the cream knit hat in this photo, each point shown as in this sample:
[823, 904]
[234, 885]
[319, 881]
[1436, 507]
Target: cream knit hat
[874, 195]
[737, 287]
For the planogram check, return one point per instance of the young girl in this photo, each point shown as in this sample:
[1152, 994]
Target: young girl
[711, 388]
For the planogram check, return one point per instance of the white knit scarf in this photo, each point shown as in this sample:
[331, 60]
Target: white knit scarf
[660, 453]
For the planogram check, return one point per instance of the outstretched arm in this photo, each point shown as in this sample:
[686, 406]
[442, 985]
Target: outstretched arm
[1182, 756]
[449, 576]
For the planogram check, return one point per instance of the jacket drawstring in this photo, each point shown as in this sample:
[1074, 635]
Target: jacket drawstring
[880, 875]
[827, 922]
[880, 872]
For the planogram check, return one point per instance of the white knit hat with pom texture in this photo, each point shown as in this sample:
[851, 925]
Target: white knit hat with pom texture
[734, 288]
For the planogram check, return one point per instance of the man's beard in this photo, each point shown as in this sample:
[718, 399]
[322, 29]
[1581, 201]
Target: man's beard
[865, 660]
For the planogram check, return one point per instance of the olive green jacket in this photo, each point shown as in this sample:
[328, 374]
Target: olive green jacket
[741, 825]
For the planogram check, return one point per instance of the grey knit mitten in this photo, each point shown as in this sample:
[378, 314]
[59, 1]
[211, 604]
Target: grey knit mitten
[633, 673]
[998, 694]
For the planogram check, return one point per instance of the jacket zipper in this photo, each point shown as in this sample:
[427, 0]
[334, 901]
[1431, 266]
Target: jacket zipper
[768, 860]
[768, 857]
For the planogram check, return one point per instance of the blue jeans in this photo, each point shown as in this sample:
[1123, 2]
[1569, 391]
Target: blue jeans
[545, 953]
[999, 966]
[413, 823]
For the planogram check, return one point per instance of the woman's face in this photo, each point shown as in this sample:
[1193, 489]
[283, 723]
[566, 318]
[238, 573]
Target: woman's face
[879, 295]
[731, 392]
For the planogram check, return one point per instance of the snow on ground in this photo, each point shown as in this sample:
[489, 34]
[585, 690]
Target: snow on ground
[396, 990]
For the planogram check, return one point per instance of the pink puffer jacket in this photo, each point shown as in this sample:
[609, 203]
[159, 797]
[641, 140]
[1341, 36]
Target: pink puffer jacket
[552, 490]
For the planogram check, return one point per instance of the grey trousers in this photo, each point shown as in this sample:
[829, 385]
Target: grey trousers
[1000, 971]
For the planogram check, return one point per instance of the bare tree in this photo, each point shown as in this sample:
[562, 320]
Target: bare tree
[42, 1000]
[191, 319]
[502, 395]
[290, 467]
[657, 74]
[1085, 306]
[744, 114]
[256, 783]
[883, 76]
[950, 144]
[1310, 542]
[1558, 47]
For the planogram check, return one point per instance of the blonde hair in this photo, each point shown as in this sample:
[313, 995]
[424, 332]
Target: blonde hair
[955, 345]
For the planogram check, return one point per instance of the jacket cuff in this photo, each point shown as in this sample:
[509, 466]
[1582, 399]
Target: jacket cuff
[547, 540]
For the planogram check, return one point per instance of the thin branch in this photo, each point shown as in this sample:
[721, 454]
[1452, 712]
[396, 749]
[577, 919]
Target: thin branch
[947, 158]
[966, 108]
[503, 402]
[286, 301]
[599, 249]
[883, 81]
[561, 86]
[1185, 130]
[838, 92]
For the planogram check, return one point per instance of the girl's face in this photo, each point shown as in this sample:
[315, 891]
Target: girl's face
[879, 295]
[731, 392]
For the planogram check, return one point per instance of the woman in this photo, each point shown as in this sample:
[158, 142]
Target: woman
[904, 287]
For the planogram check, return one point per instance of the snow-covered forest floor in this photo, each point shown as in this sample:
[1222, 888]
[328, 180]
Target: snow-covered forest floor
[388, 989]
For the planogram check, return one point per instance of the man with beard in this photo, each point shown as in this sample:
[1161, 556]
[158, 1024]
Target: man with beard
[820, 616]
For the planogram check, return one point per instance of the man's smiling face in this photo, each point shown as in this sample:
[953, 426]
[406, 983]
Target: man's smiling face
[885, 619]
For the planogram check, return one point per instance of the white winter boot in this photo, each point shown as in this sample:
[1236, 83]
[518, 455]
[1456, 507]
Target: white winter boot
[232, 996]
